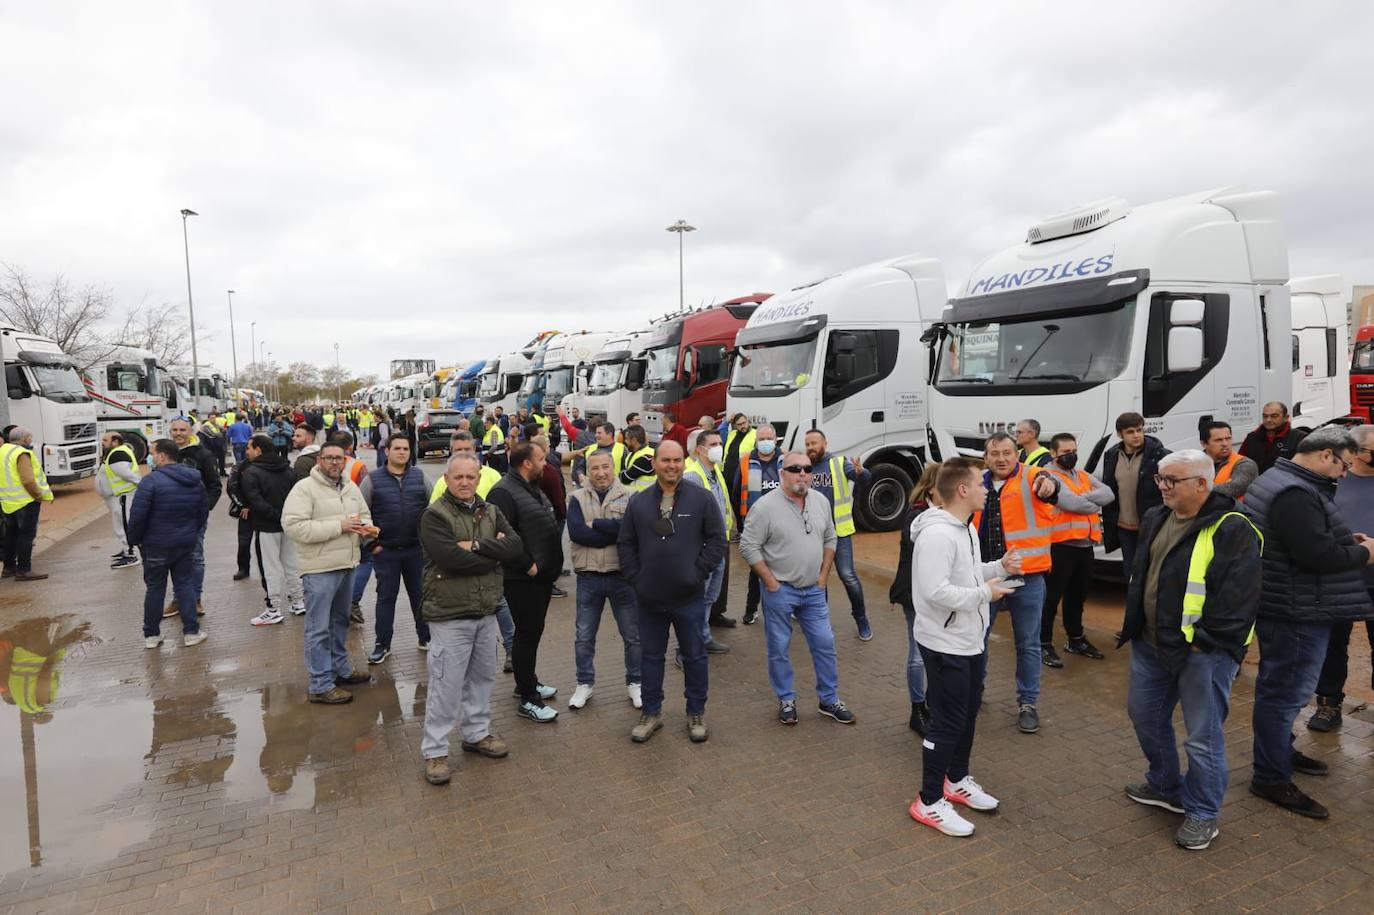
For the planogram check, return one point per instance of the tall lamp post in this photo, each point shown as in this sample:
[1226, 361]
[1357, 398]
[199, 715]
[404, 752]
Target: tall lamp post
[272, 381]
[681, 228]
[253, 342]
[338, 380]
[190, 306]
[234, 353]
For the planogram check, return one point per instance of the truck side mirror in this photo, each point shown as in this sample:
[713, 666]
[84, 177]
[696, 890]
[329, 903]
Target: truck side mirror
[18, 393]
[1185, 335]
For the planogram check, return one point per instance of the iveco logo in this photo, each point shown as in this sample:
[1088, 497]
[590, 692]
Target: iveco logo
[989, 428]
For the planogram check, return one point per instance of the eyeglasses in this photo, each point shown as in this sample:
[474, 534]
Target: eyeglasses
[798, 468]
[1170, 482]
[806, 520]
[1344, 463]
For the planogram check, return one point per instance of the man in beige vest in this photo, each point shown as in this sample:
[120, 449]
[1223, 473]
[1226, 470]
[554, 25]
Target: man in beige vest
[594, 513]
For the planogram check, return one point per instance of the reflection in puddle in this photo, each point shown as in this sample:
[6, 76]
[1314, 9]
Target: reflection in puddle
[79, 767]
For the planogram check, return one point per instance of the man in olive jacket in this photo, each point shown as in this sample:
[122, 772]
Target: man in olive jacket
[465, 541]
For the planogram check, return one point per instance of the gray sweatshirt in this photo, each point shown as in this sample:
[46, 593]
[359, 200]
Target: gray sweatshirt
[775, 533]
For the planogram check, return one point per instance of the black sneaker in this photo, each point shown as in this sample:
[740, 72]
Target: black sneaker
[1027, 720]
[559, 592]
[1142, 793]
[787, 711]
[355, 615]
[1048, 657]
[1196, 833]
[714, 647]
[751, 616]
[379, 654]
[1290, 797]
[241, 574]
[1081, 646]
[509, 666]
[839, 711]
[723, 622]
[1309, 766]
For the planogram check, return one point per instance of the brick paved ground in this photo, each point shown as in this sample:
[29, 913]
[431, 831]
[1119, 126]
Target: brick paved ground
[199, 780]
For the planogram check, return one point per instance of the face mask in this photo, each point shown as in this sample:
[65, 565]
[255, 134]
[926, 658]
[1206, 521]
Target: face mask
[767, 447]
[715, 453]
[1068, 461]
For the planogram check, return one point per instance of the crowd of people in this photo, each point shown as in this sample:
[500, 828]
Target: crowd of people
[1221, 547]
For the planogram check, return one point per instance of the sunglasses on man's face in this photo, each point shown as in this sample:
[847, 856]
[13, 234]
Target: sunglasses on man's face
[797, 468]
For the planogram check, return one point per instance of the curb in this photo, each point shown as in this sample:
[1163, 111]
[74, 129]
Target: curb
[53, 536]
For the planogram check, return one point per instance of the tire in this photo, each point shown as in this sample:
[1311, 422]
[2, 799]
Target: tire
[136, 441]
[879, 506]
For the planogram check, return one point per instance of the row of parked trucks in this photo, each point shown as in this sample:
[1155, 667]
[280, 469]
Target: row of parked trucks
[1181, 310]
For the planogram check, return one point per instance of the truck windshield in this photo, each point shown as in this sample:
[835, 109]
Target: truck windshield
[558, 383]
[1362, 360]
[605, 377]
[60, 383]
[662, 366]
[773, 367]
[126, 377]
[489, 384]
[530, 383]
[1079, 349]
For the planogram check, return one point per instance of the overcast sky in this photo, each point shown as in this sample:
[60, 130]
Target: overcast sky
[412, 180]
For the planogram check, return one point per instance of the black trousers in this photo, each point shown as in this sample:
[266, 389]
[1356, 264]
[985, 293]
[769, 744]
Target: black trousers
[723, 599]
[1068, 580]
[954, 690]
[751, 599]
[21, 529]
[245, 554]
[529, 604]
[1331, 683]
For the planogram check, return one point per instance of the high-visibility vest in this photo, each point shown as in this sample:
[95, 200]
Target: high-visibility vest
[1225, 470]
[1195, 593]
[1072, 526]
[617, 456]
[693, 467]
[364, 420]
[229, 417]
[1036, 455]
[118, 484]
[13, 495]
[25, 669]
[542, 420]
[843, 497]
[745, 446]
[493, 437]
[1026, 521]
[328, 420]
[485, 481]
[639, 484]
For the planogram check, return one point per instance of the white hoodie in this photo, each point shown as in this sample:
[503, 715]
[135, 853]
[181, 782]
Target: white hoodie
[949, 584]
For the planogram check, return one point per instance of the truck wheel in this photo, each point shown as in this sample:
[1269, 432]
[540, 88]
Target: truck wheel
[881, 505]
[136, 441]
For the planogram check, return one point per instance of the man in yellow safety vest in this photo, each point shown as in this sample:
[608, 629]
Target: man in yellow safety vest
[23, 486]
[835, 477]
[118, 478]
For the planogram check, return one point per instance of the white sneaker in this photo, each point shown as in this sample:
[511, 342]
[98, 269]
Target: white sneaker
[298, 607]
[635, 698]
[269, 617]
[969, 793]
[152, 641]
[940, 815]
[580, 695]
[191, 641]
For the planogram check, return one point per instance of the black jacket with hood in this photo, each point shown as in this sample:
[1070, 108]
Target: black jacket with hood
[266, 482]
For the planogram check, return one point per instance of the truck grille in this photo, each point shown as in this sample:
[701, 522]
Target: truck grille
[78, 431]
[1364, 394]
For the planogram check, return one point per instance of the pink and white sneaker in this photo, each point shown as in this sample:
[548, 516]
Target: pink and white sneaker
[969, 793]
[940, 815]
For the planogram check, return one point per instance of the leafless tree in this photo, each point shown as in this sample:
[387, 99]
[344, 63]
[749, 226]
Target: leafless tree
[70, 317]
[161, 329]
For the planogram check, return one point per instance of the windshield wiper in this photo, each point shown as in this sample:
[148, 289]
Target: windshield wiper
[966, 379]
[1052, 377]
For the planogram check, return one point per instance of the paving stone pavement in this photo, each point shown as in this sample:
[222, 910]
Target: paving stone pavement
[199, 780]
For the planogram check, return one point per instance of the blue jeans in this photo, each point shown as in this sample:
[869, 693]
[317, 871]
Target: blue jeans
[844, 567]
[593, 590]
[506, 623]
[1203, 688]
[394, 567]
[158, 564]
[326, 627]
[915, 668]
[198, 561]
[813, 616]
[713, 583]
[240, 453]
[1291, 656]
[1026, 605]
[653, 646]
[361, 575]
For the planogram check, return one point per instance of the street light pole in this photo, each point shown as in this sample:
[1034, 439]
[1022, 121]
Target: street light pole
[338, 380]
[253, 342]
[680, 227]
[234, 352]
[272, 381]
[190, 306]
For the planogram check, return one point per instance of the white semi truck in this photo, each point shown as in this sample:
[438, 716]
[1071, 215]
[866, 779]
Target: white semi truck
[1179, 310]
[126, 388]
[845, 355]
[615, 380]
[564, 355]
[501, 381]
[45, 394]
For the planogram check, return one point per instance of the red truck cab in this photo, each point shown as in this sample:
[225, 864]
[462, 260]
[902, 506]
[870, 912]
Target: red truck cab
[688, 362]
[1362, 374]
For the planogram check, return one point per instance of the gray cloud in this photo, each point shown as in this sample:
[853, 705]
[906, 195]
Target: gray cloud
[443, 181]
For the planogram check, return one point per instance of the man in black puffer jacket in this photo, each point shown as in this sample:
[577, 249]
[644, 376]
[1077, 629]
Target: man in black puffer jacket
[1313, 576]
[266, 482]
[529, 580]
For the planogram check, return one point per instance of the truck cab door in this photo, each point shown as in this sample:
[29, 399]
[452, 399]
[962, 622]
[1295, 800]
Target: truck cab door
[853, 394]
